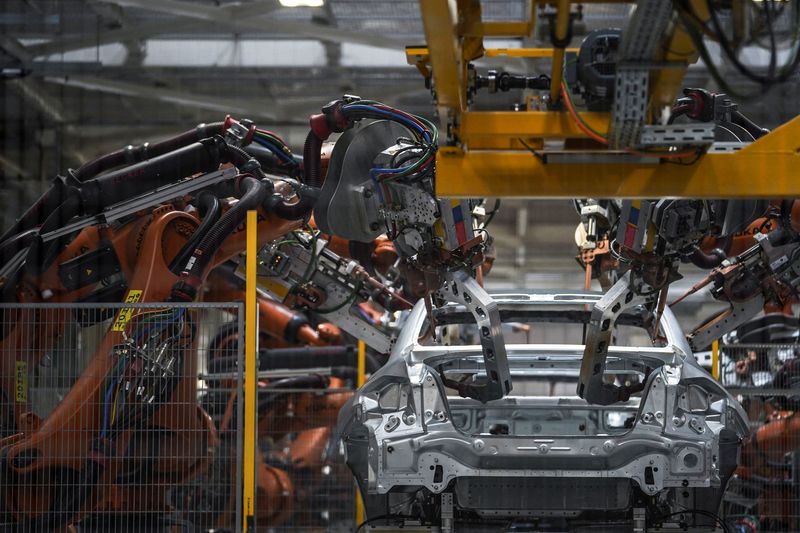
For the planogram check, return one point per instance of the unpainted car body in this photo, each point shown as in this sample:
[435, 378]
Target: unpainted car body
[420, 453]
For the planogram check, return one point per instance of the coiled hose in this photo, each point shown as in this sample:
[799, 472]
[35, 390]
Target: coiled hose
[312, 177]
[253, 194]
[209, 208]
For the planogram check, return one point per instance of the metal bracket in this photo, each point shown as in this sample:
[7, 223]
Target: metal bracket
[591, 385]
[725, 321]
[630, 107]
[639, 45]
[699, 134]
[461, 287]
[446, 512]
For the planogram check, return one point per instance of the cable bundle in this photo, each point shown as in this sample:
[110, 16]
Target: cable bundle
[697, 28]
[421, 150]
[146, 368]
[277, 146]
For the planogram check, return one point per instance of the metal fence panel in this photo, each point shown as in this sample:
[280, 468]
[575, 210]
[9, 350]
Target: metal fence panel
[764, 494]
[302, 483]
[109, 419]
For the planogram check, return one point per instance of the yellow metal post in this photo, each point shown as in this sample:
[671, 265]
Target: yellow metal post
[361, 379]
[715, 359]
[440, 22]
[251, 339]
[362, 363]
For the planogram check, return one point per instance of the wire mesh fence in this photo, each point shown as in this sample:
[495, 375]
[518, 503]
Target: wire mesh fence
[107, 422]
[302, 483]
[129, 418]
[764, 493]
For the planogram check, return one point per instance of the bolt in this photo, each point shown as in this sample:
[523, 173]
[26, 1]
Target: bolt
[409, 420]
[543, 448]
[390, 449]
[374, 226]
[478, 444]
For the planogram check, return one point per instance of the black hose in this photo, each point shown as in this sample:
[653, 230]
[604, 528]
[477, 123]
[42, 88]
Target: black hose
[41, 209]
[12, 246]
[120, 185]
[314, 381]
[270, 162]
[55, 195]
[209, 208]
[752, 128]
[40, 256]
[96, 194]
[312, 160]
[715, 257]
[312, 177]
[253, 192]
[135, 154]
[298, 358]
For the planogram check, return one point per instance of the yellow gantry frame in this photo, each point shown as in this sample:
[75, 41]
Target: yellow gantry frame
[492, 156]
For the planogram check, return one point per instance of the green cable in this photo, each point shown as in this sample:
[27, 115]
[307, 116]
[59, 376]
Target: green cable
[568, 92]
[312, 263]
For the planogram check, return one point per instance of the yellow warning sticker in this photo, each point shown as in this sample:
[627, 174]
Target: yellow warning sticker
[126, 313]
[21, 381]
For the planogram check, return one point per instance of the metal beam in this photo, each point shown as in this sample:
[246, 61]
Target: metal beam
[201, 18]
[440, 22]
[86, 40]
[253, 109]
[243, 17]
[766, 168]
[513, 124]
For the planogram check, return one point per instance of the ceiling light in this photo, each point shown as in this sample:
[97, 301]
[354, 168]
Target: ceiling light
[302, 3]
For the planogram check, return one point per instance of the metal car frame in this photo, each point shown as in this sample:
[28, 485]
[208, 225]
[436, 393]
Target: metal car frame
[399, 433]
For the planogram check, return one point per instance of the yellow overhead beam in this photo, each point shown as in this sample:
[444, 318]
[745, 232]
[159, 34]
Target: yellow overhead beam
[506, 28]
[526, 124]
[523, 52]
[766, 168]
[440, 21]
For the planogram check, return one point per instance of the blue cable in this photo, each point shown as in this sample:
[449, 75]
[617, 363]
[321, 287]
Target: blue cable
[106, 417]
[399, 118]
[275, 150]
